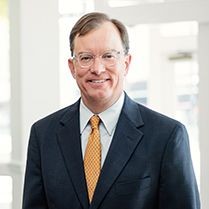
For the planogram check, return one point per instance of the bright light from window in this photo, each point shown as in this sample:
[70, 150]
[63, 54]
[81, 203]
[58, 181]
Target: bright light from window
[70, 8]
[177, 29]
[125, 3]
[67, 7]
[5, 144]
[5, 189]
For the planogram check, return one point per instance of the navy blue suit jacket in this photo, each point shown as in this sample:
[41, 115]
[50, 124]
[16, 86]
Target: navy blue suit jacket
[148, 165]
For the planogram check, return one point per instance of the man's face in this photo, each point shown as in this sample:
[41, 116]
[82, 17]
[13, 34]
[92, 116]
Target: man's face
[100, 83]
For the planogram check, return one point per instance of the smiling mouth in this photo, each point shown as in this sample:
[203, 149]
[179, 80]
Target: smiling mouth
[98, 81]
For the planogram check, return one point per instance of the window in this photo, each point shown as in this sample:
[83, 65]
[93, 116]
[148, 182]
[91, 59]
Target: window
[137, 79]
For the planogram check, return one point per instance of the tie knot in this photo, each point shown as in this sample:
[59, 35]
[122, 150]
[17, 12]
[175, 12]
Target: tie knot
[94, 121]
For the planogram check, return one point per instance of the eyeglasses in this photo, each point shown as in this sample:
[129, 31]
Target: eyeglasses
[108, 58]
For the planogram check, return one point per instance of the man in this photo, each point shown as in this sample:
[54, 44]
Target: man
[140, 159]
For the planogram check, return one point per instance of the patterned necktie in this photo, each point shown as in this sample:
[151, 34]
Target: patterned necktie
[92, 158]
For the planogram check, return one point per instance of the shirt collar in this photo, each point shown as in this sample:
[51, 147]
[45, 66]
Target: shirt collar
[109, 117]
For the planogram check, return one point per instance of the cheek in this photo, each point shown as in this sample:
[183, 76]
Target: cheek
[79, 74]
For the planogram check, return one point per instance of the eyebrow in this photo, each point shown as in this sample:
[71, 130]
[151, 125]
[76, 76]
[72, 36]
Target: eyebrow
[87, 52]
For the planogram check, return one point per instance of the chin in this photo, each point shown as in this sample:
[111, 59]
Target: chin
[101, 95]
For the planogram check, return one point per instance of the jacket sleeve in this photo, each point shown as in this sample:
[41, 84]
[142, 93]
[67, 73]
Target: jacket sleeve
[178, 187]
[33, 195]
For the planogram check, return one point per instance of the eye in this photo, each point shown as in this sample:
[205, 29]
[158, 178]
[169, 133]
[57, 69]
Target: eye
[85, 58]
[108, 56]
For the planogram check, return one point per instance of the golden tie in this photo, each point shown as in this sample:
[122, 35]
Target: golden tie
[92, 158]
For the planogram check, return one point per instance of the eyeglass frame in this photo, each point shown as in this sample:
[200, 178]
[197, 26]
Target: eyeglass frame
[118, 53]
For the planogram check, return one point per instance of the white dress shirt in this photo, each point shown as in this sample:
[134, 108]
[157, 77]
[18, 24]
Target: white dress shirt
[109, 119]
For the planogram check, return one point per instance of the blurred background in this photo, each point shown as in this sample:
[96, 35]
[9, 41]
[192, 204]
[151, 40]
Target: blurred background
[169, 41]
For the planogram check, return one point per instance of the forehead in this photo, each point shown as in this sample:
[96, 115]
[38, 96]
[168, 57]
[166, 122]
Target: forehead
[106, 36]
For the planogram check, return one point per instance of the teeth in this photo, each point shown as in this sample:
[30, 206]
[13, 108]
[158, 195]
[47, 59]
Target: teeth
[98, 81]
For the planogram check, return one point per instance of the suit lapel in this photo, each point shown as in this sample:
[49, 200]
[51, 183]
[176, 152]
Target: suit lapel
[127, 136]
[70, 144]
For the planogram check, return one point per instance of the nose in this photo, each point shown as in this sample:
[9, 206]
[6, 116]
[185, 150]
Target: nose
[97, 67]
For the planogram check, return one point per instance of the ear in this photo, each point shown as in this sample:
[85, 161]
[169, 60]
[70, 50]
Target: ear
[71, 67]
[127, 63]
